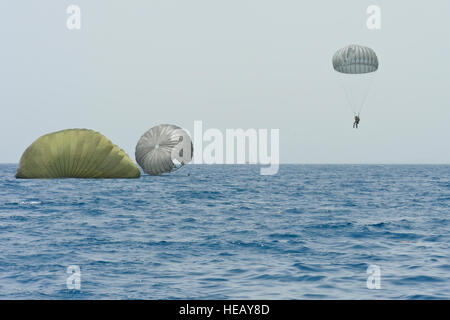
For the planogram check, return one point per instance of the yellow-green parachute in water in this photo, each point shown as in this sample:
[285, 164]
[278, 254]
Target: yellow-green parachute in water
[75, 153]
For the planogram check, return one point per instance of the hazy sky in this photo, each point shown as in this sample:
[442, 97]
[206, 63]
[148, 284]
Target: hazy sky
[233, 64]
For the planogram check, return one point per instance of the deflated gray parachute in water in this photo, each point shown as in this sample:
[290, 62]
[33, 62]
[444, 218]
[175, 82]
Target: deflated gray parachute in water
[163, 148]
[355, 59]
[75, 153]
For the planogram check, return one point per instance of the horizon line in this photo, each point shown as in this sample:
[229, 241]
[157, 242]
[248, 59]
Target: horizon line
[299, 163]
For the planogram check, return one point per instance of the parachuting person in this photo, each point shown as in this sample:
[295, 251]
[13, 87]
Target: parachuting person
[356, 64]
[357, 119]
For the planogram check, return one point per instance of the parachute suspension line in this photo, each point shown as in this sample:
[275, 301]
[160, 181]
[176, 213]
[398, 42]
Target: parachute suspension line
[347, 95]
[369, 86]
[352, 93]
[175, 168]
[181, 166]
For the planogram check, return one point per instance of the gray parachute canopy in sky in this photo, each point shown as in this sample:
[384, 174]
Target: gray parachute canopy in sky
[355, 59]
[356, 66]
[163, 148]
[75, 153]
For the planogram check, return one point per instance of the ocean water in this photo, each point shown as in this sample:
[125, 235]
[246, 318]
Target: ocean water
[226, 232]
